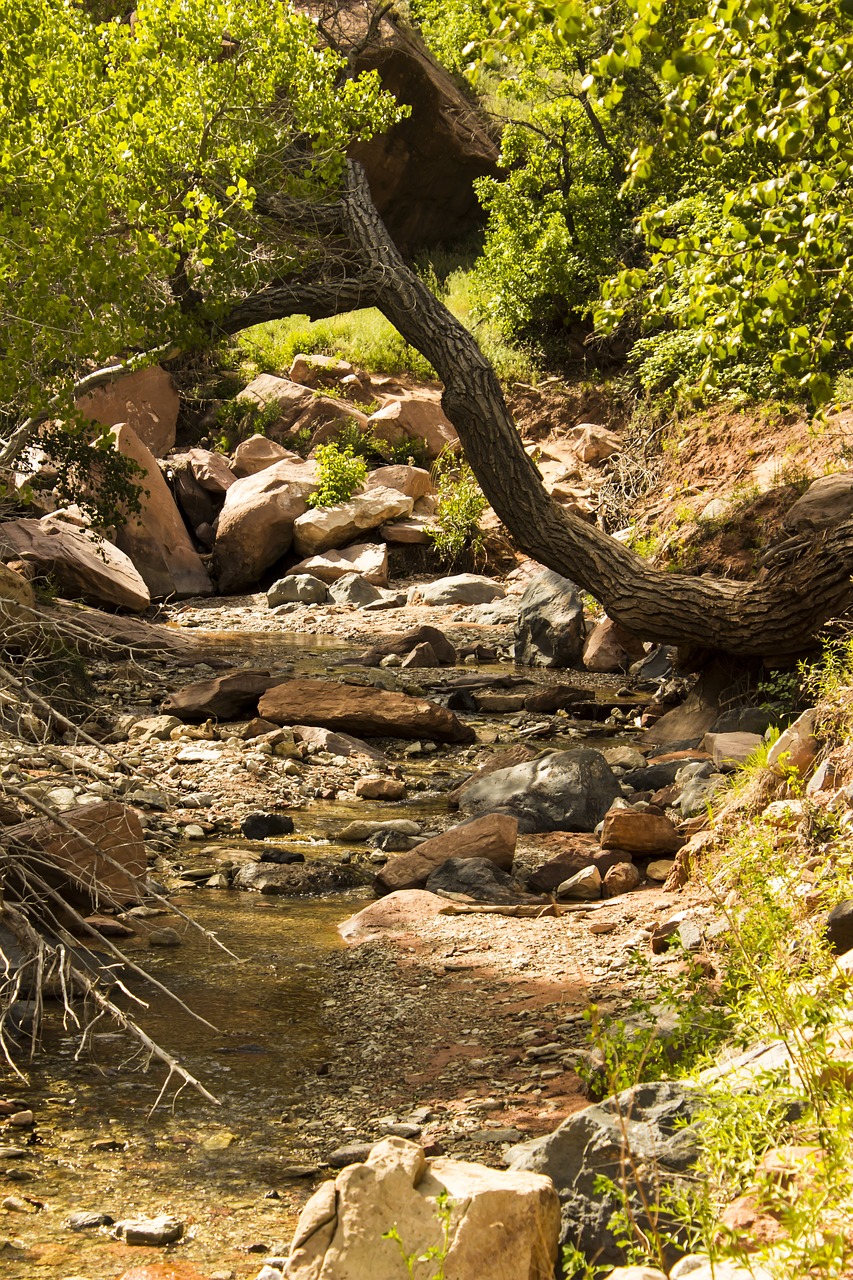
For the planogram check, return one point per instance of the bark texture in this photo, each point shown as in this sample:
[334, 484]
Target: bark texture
[773, 616]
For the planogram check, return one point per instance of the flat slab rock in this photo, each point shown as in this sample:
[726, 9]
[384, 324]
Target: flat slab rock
[361, 711]
[492, 836]
[223, 697]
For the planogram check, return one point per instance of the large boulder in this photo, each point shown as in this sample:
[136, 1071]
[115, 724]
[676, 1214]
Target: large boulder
[508, 1218]
[288, 397]
[610, 648]
[298, 588]
[146, 400]
[95, 859]
[640, 1138]
[155, 537]
[327, 527]
[826, 502]
[223, 697]
[414, 482]
[550, 628]
[637, 831]
[409, 640]
[461, 588]
[82, 564]
[363, 711]
[369, 559]
[256, 523]
[415, 416]
[198, 505]
[211, 471]
[478, 879]
[394, 914]
[492, 837]
[257, 453]
[560, 791]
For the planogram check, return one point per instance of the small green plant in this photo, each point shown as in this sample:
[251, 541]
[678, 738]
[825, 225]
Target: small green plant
[436, 1252]
[339, 473]
[236, 420]
[461, 503]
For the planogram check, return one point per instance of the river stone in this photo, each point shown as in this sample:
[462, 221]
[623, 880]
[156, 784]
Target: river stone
[510, 1219]
[393, 914]
[389, 841]
[409, 640]
[729, 750]
[362, 711]
[153, 728]
[258, 826]
[355, 832]
[337, 744]
[462, 588]
[550, 628]
[303, 588]
[299, 880]
[476, 878]
[354, 589]
[491, 838]
[224, 697]
[153, 1232]
[85, 1220]
[583, 886]
[641, 1133]
[380, 788]
[325, 528]
[560, 791]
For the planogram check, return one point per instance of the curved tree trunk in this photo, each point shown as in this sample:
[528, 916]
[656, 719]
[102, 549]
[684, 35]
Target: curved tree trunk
[772, 616]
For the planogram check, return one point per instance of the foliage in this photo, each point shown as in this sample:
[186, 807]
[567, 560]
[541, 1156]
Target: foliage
[91, 473]
[435, 1252]
[365, 338]
[456, 529]
[339, 473]
[236, 420]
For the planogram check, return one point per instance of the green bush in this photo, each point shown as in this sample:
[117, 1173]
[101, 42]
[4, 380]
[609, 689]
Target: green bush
[461, 503]
[339, 472]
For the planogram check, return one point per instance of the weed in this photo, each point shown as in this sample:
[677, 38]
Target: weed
[339, 474]
[236, 420]
[461, 503]
[435, 1252]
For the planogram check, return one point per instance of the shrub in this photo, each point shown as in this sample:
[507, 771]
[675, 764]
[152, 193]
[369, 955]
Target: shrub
[340, 473]
[456, 531]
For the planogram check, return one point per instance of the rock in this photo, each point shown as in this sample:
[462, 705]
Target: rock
[422, 656]
[409, 640]
[256, 523]
[147, 400]
[491, 838]
[282, 857]
[731, 749]
[697, 793]
[83, 565]
[594, 444]
[17, 602]
[316, 370]
[577, 851]
[415, 416]
[156, 538]
[223, 697]
[584, 885]
[719, 1269]
[610, 648]
[153, 1232]
[461, 588]
[476, 878]
[325, 528]
[153, 729]
[355, 832]
[797, 747]
[362, 711]
[638, 831]
[291, 399]
[211, 471]
[744, 720]
[411, 532]
[550, 627]
[303, 588]
[827, 502]
[690, 721]
[337, 744]
[414, 482]
[659, 869]
[369, 560]
[299, 880]
[389, 841]
[351, 1153]
[560, 791]
[839, 927]
[624, 758]
[83, 1220]
[392, 914]
[354, 589]
[164, 938]
[641, 1133]
[511, 1219]
[380, 789]
[621, 878]
[257, 453]
[554, 697]
[636, 1273]
[108, 874]
[200, 509]
[661, 772]
[260, 826]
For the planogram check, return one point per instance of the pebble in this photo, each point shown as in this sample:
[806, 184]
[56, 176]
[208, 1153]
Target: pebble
[22, 1119]
[84, 1220]
[15, 1204]
[164, 938]
[12, 1153]
[352, 1153]
[153, 1232]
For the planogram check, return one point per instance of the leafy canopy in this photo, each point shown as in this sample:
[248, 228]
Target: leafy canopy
[131, 156]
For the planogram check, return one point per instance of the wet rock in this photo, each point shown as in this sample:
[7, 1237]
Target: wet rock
[367, 559]
[153, 1232]
[83, 565]
[256, 523]
[223, 697]
[308, 879]
[390, 842]
[492, 838]
[303, 588]
[380, 789]
[610, 648]
[355, 832]
[641, 1135]
[583, 886]
[258, 826]
[165, 938]
[476, 878]
[661, 773]
[415, 415]
[405, 643]
[326, 528]
[563, 790]
[744, 720]
[638, 831]
[550, 628]
[621, 878]
[282, 857]
[462, 588]
[147, 400]
[513, 1221]
[87, 1220]
[362, 711]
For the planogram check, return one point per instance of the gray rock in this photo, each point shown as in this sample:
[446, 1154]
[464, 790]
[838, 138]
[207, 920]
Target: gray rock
[153, 1232]
[476, 878]
[462, 588]
[299, 588]
[390, 841]
[744, 720]
[697, 793]
[839, 927]
[560, 791]
[299, 880]
[164, 938]
[352, 588]
[352, 1153]
[643, 1132]
[84, 1220]
[550, 628]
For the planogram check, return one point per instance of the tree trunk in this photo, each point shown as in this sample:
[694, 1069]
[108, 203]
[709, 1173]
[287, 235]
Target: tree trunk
[772, 616]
